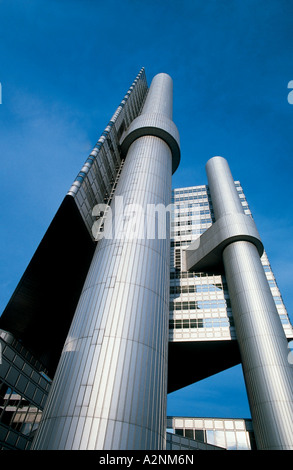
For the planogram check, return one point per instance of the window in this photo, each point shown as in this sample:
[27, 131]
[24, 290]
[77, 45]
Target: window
[189, 433]
[199, 435]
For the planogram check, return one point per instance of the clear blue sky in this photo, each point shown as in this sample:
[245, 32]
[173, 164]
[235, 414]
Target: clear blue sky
[65, 66]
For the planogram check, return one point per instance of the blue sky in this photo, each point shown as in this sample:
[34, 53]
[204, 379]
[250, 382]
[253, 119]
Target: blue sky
[65, 66]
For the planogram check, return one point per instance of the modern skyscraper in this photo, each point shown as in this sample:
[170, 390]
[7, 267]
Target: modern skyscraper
[117, 326]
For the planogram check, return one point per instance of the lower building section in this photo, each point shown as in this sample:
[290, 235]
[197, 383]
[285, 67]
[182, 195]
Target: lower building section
[209, 434]
[24, 388]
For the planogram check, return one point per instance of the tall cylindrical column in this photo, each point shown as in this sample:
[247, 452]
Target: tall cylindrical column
[262, 341]
[110, 388]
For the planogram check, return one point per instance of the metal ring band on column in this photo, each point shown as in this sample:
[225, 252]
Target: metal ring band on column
[156, 125]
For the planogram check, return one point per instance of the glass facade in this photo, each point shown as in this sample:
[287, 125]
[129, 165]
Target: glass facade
[199, 302]
[24, 387]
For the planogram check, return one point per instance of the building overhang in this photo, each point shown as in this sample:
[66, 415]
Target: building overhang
[192, 361]
[42, 306]
[206, 252]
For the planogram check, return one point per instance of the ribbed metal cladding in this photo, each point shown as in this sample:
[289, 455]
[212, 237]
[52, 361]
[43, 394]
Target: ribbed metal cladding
[262, 341]
[110, 388]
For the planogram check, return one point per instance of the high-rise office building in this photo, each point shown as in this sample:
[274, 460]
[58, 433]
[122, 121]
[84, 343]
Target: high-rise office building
[129, 280]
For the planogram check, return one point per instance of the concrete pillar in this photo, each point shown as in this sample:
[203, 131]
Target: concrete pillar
[262, 341]
[110, 388]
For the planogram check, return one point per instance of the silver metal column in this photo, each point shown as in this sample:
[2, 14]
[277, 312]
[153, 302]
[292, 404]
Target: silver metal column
[110, 388]
[262, 342]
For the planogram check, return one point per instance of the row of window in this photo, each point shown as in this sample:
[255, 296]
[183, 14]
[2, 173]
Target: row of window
[196, 231]
[200, 304]
[191, 205]
[190, 275]
[191, 213]
[284, 319]
[16, 351]
[195, 189]
[203, 304]
[195, 288]
[201, 323]
[191, 222]
[267, 268]
[182, 197]
[180, 243]
[187, 275]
